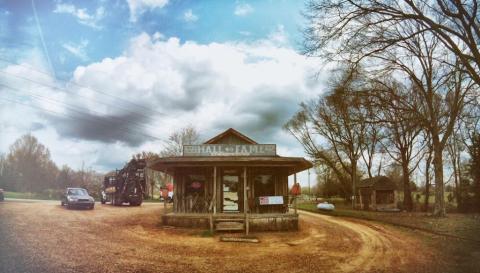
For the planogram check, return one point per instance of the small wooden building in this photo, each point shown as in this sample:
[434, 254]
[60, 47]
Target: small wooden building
[231, 182]
[376, 193]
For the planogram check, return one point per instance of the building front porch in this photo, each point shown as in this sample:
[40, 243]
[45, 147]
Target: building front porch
[254, 221]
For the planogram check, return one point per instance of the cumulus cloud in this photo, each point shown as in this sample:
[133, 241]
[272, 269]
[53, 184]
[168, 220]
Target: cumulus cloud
[243, 9]
[279, 35]
[137, 7]
[161, 84]
[254, 87]
[81, 14]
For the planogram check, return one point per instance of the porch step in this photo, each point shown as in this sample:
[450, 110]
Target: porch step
[227, 226]
[230, 220]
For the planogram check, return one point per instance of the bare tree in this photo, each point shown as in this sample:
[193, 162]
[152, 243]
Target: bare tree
[428, 162]
[372, 142]
[470, 132]
[174, 144]
[339, 120]
[402, 130]
[355, 29]
[393, 37]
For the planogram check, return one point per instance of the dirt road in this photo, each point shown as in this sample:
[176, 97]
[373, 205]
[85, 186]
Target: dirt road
[45, 237]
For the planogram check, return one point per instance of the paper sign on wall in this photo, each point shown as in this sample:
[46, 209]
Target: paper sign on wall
[271, 200]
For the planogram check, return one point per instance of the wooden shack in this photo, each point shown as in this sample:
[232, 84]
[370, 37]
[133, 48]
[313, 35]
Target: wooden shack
[376, 193]
[231, 182]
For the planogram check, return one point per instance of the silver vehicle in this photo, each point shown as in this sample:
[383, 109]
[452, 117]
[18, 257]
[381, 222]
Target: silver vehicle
[77, 198]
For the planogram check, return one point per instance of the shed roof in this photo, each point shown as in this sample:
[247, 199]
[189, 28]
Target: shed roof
[377, 183]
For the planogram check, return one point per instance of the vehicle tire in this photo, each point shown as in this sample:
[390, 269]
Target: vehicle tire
[69, 206]
[62, 204]
[103, 201]
[91, 207]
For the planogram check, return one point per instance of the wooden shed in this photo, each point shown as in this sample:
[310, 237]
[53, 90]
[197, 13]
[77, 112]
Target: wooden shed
[231, 182]
[376, 193]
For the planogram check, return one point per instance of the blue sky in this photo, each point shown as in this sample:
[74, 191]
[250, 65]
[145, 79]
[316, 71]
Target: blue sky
[81, 32]
[97, 81]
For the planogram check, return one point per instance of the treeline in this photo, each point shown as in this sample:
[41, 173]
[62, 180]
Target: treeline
[406, 93]
[28, 167]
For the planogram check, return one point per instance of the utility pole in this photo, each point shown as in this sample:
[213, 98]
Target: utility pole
[309, 189]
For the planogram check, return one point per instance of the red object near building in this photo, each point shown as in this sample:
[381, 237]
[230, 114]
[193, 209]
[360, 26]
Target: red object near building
[164, 193]
[296, 189]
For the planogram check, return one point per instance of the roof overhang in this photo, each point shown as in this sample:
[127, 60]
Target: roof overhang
[292, 164]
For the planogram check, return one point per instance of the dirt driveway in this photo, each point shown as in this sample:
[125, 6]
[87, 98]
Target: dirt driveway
[45, 237]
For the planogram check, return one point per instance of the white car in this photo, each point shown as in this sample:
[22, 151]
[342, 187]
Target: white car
[325, 206]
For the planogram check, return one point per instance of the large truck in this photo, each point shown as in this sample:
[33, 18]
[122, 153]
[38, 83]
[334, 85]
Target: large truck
[126, 185]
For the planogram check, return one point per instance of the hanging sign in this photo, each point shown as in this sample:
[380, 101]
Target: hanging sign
[230, 150]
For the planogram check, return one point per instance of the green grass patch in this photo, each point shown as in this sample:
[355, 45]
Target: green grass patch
[28, 195]
[207, 233]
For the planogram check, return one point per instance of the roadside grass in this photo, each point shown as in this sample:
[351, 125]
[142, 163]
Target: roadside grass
[28, 195]
[466, 226]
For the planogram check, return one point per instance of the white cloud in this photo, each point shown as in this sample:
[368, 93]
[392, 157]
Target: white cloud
[83, 17]
[189, 16]
[279, 36]
[79, 50]
[243, 9]
[137, 7]
[254, 87]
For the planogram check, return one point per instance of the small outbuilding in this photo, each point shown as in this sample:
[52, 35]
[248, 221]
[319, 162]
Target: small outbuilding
[376, 193]
[231, 182]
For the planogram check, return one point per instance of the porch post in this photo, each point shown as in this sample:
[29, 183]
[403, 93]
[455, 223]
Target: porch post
[245, 199]
[294, 196]
[214, 199]
[214, 189]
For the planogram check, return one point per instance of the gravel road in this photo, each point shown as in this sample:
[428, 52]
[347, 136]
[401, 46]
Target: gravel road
[45, 237]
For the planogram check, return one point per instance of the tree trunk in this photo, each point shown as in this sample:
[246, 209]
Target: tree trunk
[354, 178]
[407, 193]
[427, 183]
[458, 190]
[439, 208]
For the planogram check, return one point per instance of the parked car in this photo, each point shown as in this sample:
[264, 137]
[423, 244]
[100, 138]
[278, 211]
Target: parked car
[77, 198]
[325, 206]
[1, 195]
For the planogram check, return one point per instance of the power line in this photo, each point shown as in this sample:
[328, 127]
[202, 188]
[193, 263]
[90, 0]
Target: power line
[127, 129]
[141, 126]
[75, 109]
[82, 86]
[68, 116]
[68, 91]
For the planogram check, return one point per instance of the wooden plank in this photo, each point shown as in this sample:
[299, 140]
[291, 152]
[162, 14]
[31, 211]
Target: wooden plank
[214, 189]
[245, 201]
[295, 197]
[239, 239]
